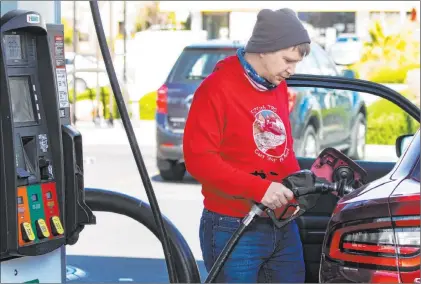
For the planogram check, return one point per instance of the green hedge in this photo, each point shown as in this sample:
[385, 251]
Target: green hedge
[387, 58]
[147, 106]
[386, 121]
[389, 73]
[90, 94]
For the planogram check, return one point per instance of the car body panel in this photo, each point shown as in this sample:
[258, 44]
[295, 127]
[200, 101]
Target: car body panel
[390, 203]
[179, 101]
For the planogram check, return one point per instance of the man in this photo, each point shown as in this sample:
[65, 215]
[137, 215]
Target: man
[238, 144]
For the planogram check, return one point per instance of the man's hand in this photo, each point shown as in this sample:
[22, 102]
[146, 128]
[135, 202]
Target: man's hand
[276, 196]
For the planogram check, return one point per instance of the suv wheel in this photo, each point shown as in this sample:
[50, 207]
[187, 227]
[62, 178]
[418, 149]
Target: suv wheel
[175, 173]
[310, 148]
[358, 138]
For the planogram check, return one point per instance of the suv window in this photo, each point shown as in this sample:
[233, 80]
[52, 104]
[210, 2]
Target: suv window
[309, 65]
[326, 65]
[197, 64]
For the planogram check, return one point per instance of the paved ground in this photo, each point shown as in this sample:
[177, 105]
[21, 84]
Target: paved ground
[118, 248]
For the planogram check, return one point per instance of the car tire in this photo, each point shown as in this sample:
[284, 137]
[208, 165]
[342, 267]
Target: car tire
[175, 173]
[311, 145]
[358, 138]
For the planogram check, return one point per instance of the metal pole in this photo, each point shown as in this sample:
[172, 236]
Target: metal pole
[111, 118]
[74, 61]
[98, 89]
[124, 43]
[125, 92]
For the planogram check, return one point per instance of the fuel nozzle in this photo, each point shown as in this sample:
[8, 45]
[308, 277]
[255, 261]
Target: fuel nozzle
[325, 187]
[341, 187]
[307, 189]
[305, 182]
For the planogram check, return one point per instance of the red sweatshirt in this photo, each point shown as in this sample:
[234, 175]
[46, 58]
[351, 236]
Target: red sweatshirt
[237, 139]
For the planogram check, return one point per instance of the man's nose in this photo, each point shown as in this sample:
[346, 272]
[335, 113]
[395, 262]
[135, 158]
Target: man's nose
[291, 70]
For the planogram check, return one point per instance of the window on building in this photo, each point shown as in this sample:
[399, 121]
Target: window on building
[343, 22]
[216, 24]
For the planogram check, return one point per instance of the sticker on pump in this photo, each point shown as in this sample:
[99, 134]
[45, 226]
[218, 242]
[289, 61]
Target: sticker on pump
[43, 142]
[33, 19]
[59, 51]
[63, 97]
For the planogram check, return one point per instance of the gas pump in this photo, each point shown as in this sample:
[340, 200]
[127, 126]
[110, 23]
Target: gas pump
[42, 199]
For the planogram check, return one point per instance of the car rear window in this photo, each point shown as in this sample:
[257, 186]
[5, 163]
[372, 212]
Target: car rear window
[197, 64]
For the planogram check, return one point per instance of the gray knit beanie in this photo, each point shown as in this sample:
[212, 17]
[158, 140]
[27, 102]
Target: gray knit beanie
[276, 30]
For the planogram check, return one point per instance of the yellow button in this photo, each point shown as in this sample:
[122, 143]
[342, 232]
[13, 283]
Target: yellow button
[56, 226]
[42, 229]
[27, 232]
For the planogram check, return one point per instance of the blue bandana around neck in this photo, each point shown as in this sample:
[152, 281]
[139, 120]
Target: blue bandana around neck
[252, 74]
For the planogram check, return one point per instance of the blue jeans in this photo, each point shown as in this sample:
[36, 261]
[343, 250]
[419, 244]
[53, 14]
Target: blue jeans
[263, 254]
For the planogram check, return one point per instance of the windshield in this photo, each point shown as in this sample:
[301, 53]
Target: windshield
[197, 64]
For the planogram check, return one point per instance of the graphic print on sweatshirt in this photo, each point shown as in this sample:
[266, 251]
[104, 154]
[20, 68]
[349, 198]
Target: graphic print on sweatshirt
[269, 134]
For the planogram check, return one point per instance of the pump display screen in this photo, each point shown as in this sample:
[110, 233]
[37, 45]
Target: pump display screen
[13, 47]
[22, 107]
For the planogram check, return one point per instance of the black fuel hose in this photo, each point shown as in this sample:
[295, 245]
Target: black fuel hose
[110, 201]
[132, 140]
[220, 261]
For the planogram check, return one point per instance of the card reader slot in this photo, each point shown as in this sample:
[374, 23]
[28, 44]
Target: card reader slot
[28, 173]
[29, 153]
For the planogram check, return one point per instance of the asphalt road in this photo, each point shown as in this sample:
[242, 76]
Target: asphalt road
[119, 249]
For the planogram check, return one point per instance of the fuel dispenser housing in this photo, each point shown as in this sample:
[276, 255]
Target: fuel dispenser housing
[42, 191]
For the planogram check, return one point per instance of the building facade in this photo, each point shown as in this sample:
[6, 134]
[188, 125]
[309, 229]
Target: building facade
[235, 19]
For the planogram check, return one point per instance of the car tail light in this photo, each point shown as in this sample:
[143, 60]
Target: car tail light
[292, 97]
[378, 244]
[382, 242]
[162, 99]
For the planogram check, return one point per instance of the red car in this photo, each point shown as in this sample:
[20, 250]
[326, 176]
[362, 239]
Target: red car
[373, 234]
